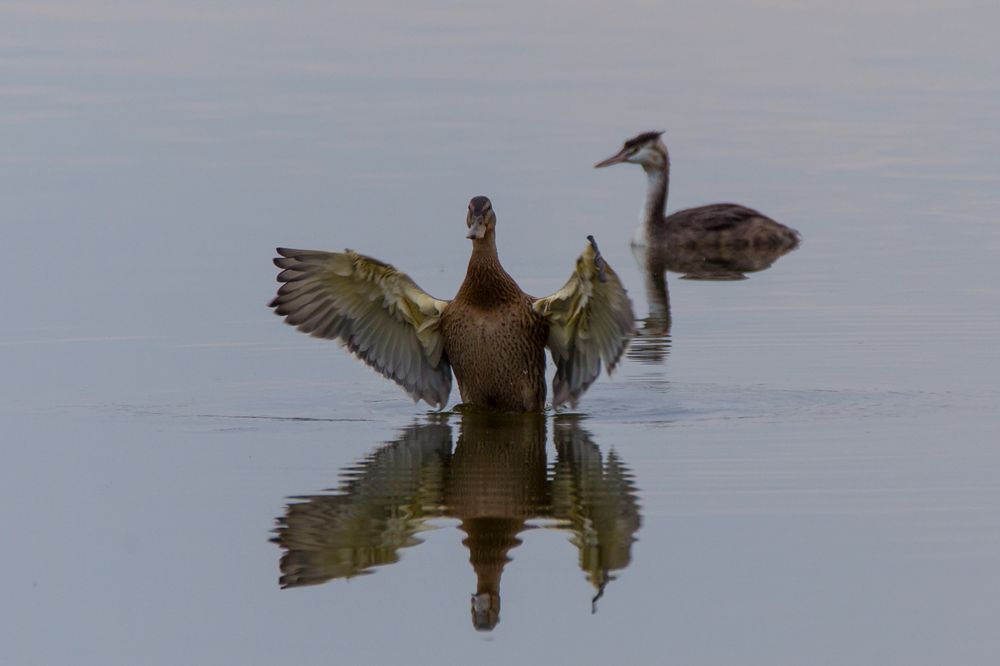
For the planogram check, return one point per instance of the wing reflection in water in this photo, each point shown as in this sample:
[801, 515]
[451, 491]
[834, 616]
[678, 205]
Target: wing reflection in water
[694, 262]
[379, 507]
[596, 494]
[494, 482]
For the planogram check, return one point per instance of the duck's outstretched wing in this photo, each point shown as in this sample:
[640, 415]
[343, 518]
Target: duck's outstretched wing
[377, 312]
[590, 320]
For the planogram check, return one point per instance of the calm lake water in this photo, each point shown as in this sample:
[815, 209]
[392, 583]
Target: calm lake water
[802, 468]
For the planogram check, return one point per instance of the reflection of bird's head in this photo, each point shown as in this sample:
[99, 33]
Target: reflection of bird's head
[646, 149]
[481, 217]
[496, 481]
[485, 611]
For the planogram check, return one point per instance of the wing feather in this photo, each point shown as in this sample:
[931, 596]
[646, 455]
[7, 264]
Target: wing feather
[590, 322]
[376, 311]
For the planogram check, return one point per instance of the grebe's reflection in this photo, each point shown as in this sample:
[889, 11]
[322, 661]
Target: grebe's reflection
[494, 481]
[694, 261]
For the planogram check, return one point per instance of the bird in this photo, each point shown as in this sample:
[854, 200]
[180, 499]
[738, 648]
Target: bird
[720, 224]
[492, 335]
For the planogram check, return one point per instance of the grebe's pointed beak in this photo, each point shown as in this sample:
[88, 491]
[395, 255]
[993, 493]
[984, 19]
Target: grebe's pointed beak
[620, 157]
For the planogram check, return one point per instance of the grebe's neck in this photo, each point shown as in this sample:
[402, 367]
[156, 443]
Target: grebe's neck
[658, 179]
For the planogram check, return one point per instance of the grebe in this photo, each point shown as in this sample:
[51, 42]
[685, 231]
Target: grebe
[722, 224]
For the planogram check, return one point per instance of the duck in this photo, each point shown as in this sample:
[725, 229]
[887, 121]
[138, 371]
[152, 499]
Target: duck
[491, 335]
[719, 224]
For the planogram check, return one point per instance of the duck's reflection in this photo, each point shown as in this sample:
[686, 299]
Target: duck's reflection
[380, 505]
[494, 481]
[694, 261]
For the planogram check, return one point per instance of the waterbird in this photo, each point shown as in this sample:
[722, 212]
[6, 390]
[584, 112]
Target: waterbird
[720, 224]
[492, 334]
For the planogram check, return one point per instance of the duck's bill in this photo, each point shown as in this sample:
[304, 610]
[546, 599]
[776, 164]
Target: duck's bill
[477, 229]
[614, 159]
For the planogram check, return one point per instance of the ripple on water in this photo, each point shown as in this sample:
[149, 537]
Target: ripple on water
[652, 399]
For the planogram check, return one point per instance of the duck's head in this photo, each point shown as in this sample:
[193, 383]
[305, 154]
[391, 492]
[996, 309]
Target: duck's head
[646, 149]
[481, 218]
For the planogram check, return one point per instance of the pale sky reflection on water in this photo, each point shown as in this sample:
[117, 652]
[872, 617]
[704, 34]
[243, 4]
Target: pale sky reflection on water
[810, 459]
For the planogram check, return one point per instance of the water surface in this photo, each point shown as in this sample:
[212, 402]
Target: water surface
[798, 467]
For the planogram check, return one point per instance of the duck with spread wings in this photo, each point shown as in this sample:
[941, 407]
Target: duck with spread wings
[491, 335]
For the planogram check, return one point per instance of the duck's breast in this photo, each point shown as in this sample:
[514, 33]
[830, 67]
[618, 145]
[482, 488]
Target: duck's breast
[498, 354]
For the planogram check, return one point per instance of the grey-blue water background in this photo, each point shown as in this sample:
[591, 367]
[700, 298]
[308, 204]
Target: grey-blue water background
[814, 463]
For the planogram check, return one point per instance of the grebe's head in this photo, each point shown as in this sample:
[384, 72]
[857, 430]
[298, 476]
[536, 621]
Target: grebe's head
[646, 149]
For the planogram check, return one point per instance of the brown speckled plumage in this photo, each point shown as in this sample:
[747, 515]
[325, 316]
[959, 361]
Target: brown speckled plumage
[493, 338]
[491, 335]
